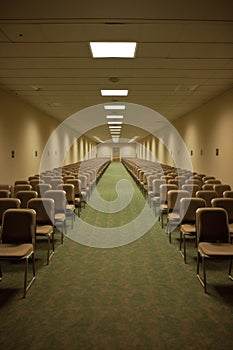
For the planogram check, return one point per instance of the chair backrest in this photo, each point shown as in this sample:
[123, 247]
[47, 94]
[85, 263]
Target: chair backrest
[173, 199]
[225, 203]
[205, 178]
[59, 197]
[207, 187]
[42, 188]
[213, 181]
[55, 182]
[228, 194]
[45, 210]
[207, 196]
[35, 182]
[21, 187]
[212, 225]
[156, 186]
[22, 182]
[164, 188]
[69, 190]
[220, 188]
[5, 193]
[77, 185]
[19, 226]
[188, 208]
[191, 188]
[24, 197]
[7, 203]
[150, 179]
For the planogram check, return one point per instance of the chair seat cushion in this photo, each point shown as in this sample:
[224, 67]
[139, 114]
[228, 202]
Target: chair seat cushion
[216, 249]
[15, 250]
[188, 228]
[44, 229]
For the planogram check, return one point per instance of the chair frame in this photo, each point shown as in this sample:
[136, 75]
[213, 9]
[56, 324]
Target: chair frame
[30, 254]
[218, 243]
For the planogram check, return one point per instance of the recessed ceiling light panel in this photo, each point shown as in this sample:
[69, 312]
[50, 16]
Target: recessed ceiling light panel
[113, 49]
[114, 107]
[114, 92]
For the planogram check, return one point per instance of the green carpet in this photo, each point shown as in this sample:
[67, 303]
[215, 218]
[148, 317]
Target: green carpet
[138, 296]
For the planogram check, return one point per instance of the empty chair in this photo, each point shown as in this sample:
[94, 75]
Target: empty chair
[212, 181]
[41, 188]
[45, 209]
[213, 239]
[25, 196]
[59, 197]
[207, 187]
[7, 203]
[21, 187]
[173, 209]
[5, 193]
[164, 188]
[205, 178]
[227, 204]
[35, 182]
[55, 182]
[207, 196]
[191, 188]
[228, 194]
[79, 201]
[22, 182]
[155, 197]
[188, 207]
[70, 198]
[18, 240]
[220, 188]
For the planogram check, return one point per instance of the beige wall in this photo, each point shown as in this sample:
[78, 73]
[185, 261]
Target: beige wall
[23, 129]
[206, 129]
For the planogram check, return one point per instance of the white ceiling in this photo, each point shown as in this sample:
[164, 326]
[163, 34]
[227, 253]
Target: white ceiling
[184, 56]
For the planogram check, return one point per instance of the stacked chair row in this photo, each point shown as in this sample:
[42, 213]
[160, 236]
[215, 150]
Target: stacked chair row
[37, 206]
[199, 206]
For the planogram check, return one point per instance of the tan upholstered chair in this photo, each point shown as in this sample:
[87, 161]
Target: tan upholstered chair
[59, 197]
[70, 198]
[213, 239]
[25, 196]
[44, 208]
[228, 194]
[18, 240]
[79, 201]
[7, 203]
[173, 209]
[221, 188]
[188, 208]
[41, 188]
[21, 187]
[227, 204]
[207, 196]
[163, 200]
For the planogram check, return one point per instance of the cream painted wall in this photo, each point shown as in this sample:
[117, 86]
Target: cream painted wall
[126, 149]
[24, 130]
[206, 129]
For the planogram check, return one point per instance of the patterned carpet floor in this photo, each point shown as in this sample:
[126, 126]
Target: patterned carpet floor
[139, 295]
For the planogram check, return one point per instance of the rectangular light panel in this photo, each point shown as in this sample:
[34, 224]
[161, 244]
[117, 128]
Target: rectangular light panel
[114, 92]
[114, 107]
[113, 49]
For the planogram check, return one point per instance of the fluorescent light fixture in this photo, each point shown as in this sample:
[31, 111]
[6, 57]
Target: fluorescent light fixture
[114, 116]
[113, 49]
[115, 132]
[114, 92]
[113, 123]
[111, 127]
[114, 107]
